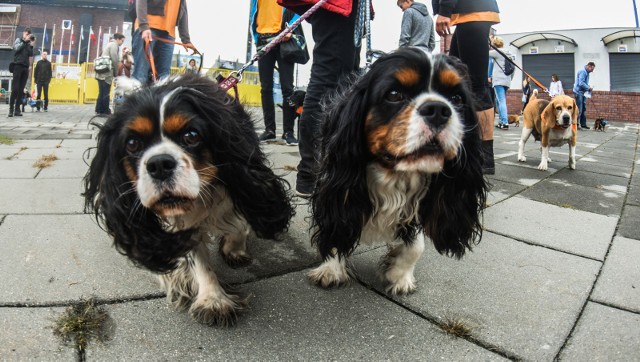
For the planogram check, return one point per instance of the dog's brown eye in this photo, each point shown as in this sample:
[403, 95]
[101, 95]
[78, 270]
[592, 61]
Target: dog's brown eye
[191, 138]
[558, 108]
[394, 96]
[456, 100]
[134, 145]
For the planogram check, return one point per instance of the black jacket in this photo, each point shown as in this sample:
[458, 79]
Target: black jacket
[22, 51]
[448, 7]
[43, 73]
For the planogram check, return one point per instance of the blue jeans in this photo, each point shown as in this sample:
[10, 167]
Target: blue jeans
[581, 101]
[102, 103]
[162, 54]
[501, 97]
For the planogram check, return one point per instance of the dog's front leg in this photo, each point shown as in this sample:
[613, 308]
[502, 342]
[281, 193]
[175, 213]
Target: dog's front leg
[526, 132]
[544, 158]
[213, 305]
[398, 266]
[333, 272]
[572, 154]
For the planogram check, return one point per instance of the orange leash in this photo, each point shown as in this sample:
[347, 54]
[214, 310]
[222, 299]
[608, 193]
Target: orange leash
[149, 54]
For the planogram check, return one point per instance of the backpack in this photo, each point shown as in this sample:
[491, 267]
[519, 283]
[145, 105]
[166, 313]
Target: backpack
[102, 65]
[509, 68]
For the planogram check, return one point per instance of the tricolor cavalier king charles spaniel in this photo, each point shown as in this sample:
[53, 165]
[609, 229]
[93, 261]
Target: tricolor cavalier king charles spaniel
[400, 161]
[177, 162]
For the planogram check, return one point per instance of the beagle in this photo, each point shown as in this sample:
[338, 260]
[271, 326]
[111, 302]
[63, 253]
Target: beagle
[553, 123]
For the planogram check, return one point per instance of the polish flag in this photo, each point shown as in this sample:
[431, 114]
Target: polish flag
[92, 36]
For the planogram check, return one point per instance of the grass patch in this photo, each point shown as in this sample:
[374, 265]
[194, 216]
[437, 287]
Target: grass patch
[81, 323]
[567, 206]
[45, 161]
[456, 328]
[5, 140]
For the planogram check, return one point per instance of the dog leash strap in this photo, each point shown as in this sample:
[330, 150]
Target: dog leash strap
[508, 58]
[149, 54]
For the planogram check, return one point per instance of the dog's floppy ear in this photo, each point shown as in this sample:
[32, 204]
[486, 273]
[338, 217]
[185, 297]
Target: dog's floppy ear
[451, 210]
[575, 113]
[257, 192]
[340, 202]
[110, 194]
[549, 114]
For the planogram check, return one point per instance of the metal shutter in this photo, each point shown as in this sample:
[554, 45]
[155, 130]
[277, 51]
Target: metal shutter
[624, 70]
[541, 66]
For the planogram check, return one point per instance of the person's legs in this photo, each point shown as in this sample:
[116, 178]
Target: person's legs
[581, 101]
[102, 103]
[45, 89]
[162, 53]
[470, 44]
[20, 75]
[501, 95]
[334, 55]
[141, 68]
[265, 70]
[285, 70]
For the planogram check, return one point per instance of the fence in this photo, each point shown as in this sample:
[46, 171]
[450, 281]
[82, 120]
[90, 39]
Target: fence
[76, 84]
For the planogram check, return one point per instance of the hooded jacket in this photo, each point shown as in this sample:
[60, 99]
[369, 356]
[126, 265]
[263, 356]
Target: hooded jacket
[417, 28]
[22, 51]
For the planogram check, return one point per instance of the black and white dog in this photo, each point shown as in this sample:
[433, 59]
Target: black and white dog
[177, 162]
[400, 161]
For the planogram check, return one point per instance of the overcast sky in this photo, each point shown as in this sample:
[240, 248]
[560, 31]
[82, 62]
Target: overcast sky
[220, 27]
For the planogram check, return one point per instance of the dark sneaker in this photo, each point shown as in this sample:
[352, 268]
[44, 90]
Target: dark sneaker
[303, 190]
[586, 127]
[10, 114]
[503, 126]
[267, 136]
[289, 139]
[17, 114]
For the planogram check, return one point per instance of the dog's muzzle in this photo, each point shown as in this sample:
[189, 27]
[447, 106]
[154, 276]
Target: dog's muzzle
[566, 121]
[435, 113]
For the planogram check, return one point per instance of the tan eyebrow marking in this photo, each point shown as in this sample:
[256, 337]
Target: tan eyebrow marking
[407, 76]
[142, 125]
[450, 78]
[174, 123]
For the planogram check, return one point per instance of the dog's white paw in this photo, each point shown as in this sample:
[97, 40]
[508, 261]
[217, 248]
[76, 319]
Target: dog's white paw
[522, 158]
[572, 164]
[329, 274]
[549, 159]
[220, 310]
[400, 284]
[234, 254]
[542, 166]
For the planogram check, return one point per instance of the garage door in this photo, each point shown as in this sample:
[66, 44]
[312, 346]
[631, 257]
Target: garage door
[625, 72]
[541, 66]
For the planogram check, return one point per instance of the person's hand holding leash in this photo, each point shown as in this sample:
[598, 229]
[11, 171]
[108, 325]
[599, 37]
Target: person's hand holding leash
[443, 25]
[146, 35]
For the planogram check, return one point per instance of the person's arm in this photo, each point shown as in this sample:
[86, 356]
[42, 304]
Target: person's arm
[113, 54]
[183, 25]
[36, 72]
[582, 81]
[405, 29]
[141, 15]
[560, 88]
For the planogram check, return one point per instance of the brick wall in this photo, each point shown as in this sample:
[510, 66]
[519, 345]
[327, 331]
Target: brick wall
[614, 106]
[36, 16]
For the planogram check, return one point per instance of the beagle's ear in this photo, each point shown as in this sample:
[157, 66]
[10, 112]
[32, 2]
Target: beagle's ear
[575, 113]
[548, 113]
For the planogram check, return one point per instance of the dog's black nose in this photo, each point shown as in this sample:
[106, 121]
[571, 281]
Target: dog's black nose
[161, 167]
[566, 119]
[435, 113]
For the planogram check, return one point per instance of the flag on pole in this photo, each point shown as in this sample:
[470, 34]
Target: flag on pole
[99, 41]
[53, 38]
[92, 37]
[70, 43]
[44, 36]
[61, 42]
[80, 42]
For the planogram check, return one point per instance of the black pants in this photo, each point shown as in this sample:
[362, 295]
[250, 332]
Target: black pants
[266, 64]
[44, 87]
[20, 75]
[102, 103]
[470, 43]
[334, 56]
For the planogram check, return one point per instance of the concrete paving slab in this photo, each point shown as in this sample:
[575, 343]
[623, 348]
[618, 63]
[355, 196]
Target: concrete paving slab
[63, 153]
[346, 324]
[520, 298]
[46, 196]
[518, 173]
[79, 144]
[629, 222]
[633, 197]
[64, 169]
[31, 144]
[501, 190]
[613, 155]
[590, 179]
[619, 281]
[26, 335]
[16, 169]
[561, 193]
[53, 259]
[577, 232]
[604, 334]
